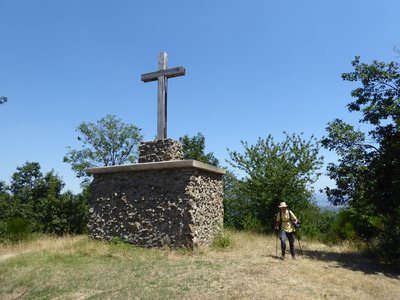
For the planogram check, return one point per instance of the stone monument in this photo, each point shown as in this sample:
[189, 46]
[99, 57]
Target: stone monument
[163, 200]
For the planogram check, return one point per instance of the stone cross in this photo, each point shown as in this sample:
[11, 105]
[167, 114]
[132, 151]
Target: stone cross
[162, 76]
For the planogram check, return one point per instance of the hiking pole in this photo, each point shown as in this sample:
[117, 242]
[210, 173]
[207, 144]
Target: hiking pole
[301, 249]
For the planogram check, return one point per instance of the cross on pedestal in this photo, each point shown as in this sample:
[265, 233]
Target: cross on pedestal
[162, 76]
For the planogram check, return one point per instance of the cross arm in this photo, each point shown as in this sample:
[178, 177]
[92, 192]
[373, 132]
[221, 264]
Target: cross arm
[169, 73]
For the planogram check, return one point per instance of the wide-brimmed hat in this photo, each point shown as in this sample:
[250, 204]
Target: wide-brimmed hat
[282, 204]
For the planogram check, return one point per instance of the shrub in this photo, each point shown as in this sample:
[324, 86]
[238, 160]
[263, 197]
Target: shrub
[17, 229]
[252, 223]
[3, 232]
[385, 245]
[223, 240]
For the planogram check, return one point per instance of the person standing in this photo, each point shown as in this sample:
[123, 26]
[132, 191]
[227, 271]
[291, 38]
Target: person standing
[285, 221]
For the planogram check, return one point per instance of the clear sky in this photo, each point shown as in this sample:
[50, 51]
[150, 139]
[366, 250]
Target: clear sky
[253, 68]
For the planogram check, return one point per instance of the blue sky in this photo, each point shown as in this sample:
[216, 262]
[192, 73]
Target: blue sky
[253, 68]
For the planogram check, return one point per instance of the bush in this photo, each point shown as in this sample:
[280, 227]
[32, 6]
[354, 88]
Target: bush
[3, 232]
[354, 226]
[223, 240]
[66, 214]
[314, 222]
[252, 223]
[17, 229]
[385, 245]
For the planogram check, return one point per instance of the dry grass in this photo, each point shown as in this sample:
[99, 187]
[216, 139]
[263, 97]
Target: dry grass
[46, 242]
[78, 268]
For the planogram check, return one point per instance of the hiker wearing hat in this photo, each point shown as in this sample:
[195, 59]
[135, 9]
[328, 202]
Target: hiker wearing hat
[285, 223]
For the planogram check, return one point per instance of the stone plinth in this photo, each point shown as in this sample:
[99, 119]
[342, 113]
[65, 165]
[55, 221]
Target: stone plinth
[173, 203]
[160, 150]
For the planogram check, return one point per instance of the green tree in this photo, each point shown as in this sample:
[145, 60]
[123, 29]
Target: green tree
[37, 200]
[3, 187]
[3, 99]
[367, 174]
[26, 182]
[66, 214]
[233, 204]
[353, 160]
[11, 208]
[275, 172]
[194, 147]
[4, 206]
[29, 190]
[107, 142]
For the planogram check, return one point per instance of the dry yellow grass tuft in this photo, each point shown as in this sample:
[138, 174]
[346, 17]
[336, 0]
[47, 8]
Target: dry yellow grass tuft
[47, 242]
[79, 268]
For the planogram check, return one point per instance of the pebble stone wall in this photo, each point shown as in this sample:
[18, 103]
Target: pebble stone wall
[160, 150]
[174, 207]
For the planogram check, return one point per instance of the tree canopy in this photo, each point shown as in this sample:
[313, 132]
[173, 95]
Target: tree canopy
[107, 142]
[194, 148]
[35, 202]
[367, 174]
[274, 172]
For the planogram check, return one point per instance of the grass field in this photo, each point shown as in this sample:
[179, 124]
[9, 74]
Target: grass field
[80, 268]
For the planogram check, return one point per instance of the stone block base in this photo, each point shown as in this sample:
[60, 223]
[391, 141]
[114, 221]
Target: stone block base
[175, 204]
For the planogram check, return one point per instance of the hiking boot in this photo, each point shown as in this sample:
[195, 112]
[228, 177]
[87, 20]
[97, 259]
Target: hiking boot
[293, 257]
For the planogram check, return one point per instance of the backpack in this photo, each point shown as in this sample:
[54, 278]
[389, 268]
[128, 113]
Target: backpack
[290, 219]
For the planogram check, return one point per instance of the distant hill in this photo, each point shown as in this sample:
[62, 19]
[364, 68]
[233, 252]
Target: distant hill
[323, 203]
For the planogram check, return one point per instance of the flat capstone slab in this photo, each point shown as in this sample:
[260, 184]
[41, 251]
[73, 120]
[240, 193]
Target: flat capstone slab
[172, 164]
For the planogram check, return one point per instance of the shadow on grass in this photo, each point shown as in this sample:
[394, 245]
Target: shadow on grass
[272, 256]
[354, 262]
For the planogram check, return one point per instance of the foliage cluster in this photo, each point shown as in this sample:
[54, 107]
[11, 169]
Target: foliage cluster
[34, 203]
[223, 240]
[107, 142]
[274, 172]
[194, 148]
[367, 174]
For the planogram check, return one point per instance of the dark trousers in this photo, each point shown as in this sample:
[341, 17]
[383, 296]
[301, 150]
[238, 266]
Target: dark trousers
[283, 235]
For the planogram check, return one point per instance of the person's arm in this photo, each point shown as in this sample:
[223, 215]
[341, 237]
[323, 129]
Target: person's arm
[293, 217]
[278, 219]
